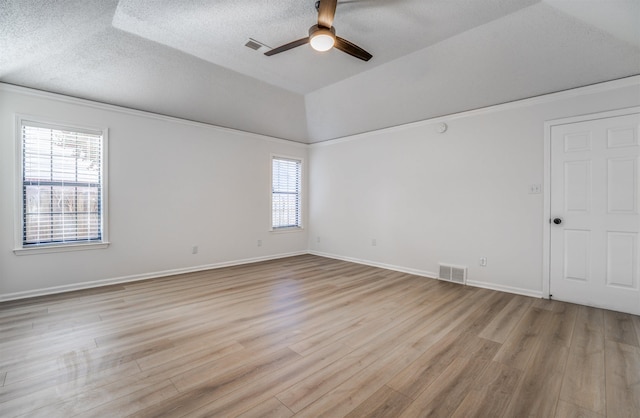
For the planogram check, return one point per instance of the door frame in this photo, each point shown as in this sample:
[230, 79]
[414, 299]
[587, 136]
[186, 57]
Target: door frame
[546, 225]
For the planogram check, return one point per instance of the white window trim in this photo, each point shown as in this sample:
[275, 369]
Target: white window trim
[19, 248]
[286, 230]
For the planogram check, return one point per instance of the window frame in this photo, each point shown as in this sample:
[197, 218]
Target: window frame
[19, 247]
[300, 226]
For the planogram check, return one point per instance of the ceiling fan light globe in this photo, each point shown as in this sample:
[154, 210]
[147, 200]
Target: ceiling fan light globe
[322, 39]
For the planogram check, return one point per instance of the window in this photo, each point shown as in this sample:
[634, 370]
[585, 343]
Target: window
[285, 193]
[62, 190]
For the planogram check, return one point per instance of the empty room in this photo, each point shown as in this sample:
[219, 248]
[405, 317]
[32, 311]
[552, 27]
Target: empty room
[301, 208]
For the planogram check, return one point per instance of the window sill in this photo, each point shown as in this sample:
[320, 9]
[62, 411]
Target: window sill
[286, 230]
[45, 249]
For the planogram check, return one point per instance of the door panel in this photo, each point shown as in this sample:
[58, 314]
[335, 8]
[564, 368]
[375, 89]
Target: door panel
[577, 186]
[594, 193]
[622, 185]
[622, 259]
[576, 254]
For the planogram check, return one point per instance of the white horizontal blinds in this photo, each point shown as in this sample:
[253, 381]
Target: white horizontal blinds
[286, 193]
[62, 185]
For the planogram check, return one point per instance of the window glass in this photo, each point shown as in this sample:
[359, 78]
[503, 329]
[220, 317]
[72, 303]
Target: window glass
[62, 185]
[285, 197]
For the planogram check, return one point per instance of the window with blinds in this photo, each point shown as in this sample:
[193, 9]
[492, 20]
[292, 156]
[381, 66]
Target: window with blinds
[285, 193]
[62, 185]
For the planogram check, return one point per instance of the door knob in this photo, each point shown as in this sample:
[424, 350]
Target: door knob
[557, 221]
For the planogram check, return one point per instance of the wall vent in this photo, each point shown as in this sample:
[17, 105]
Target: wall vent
[451, 273]
[253, 44]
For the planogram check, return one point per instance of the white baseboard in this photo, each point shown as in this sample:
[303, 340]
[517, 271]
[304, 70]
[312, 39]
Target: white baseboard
[138, 277]
[401, 269]
[431, 275]
[163, 273]
[506, 289]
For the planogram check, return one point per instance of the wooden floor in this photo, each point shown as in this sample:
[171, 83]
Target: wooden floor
[309, 336]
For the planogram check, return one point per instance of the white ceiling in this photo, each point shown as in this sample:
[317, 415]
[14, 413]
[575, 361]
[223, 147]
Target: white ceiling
[430, 57]
[216, 31]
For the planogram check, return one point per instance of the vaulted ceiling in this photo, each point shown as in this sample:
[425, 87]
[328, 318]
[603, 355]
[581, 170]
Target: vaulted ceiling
[430, 57]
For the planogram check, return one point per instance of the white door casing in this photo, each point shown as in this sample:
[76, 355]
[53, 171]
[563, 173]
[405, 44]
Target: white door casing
[593, 193]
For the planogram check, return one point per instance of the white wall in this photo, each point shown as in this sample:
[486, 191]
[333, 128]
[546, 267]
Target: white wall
[172, 185]
[427, 197]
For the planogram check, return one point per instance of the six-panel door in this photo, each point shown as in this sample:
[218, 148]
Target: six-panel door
[594, 203]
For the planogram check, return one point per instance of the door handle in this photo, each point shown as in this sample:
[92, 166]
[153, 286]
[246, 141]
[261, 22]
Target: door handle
[557, 221]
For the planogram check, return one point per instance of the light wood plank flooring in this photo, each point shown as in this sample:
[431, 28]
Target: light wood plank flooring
[308, 336]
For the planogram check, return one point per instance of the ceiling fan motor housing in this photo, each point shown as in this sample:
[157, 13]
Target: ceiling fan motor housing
[315, 28]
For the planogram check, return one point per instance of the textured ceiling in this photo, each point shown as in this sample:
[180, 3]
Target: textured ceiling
[430, 57]
[388, 29]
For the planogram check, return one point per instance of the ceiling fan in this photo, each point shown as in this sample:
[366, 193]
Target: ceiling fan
[322, 36]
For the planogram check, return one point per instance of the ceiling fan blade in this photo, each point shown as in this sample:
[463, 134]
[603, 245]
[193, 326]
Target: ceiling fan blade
[287, 47]
[326, 13]
[352, 49]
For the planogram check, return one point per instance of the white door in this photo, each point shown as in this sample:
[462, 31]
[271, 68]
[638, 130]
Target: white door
[594, 213]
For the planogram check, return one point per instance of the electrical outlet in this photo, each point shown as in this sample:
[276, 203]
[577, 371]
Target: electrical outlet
[318, 240]
[194, 249]
[535, 189]
[259, 243]
[374, 242]
[483, 261]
